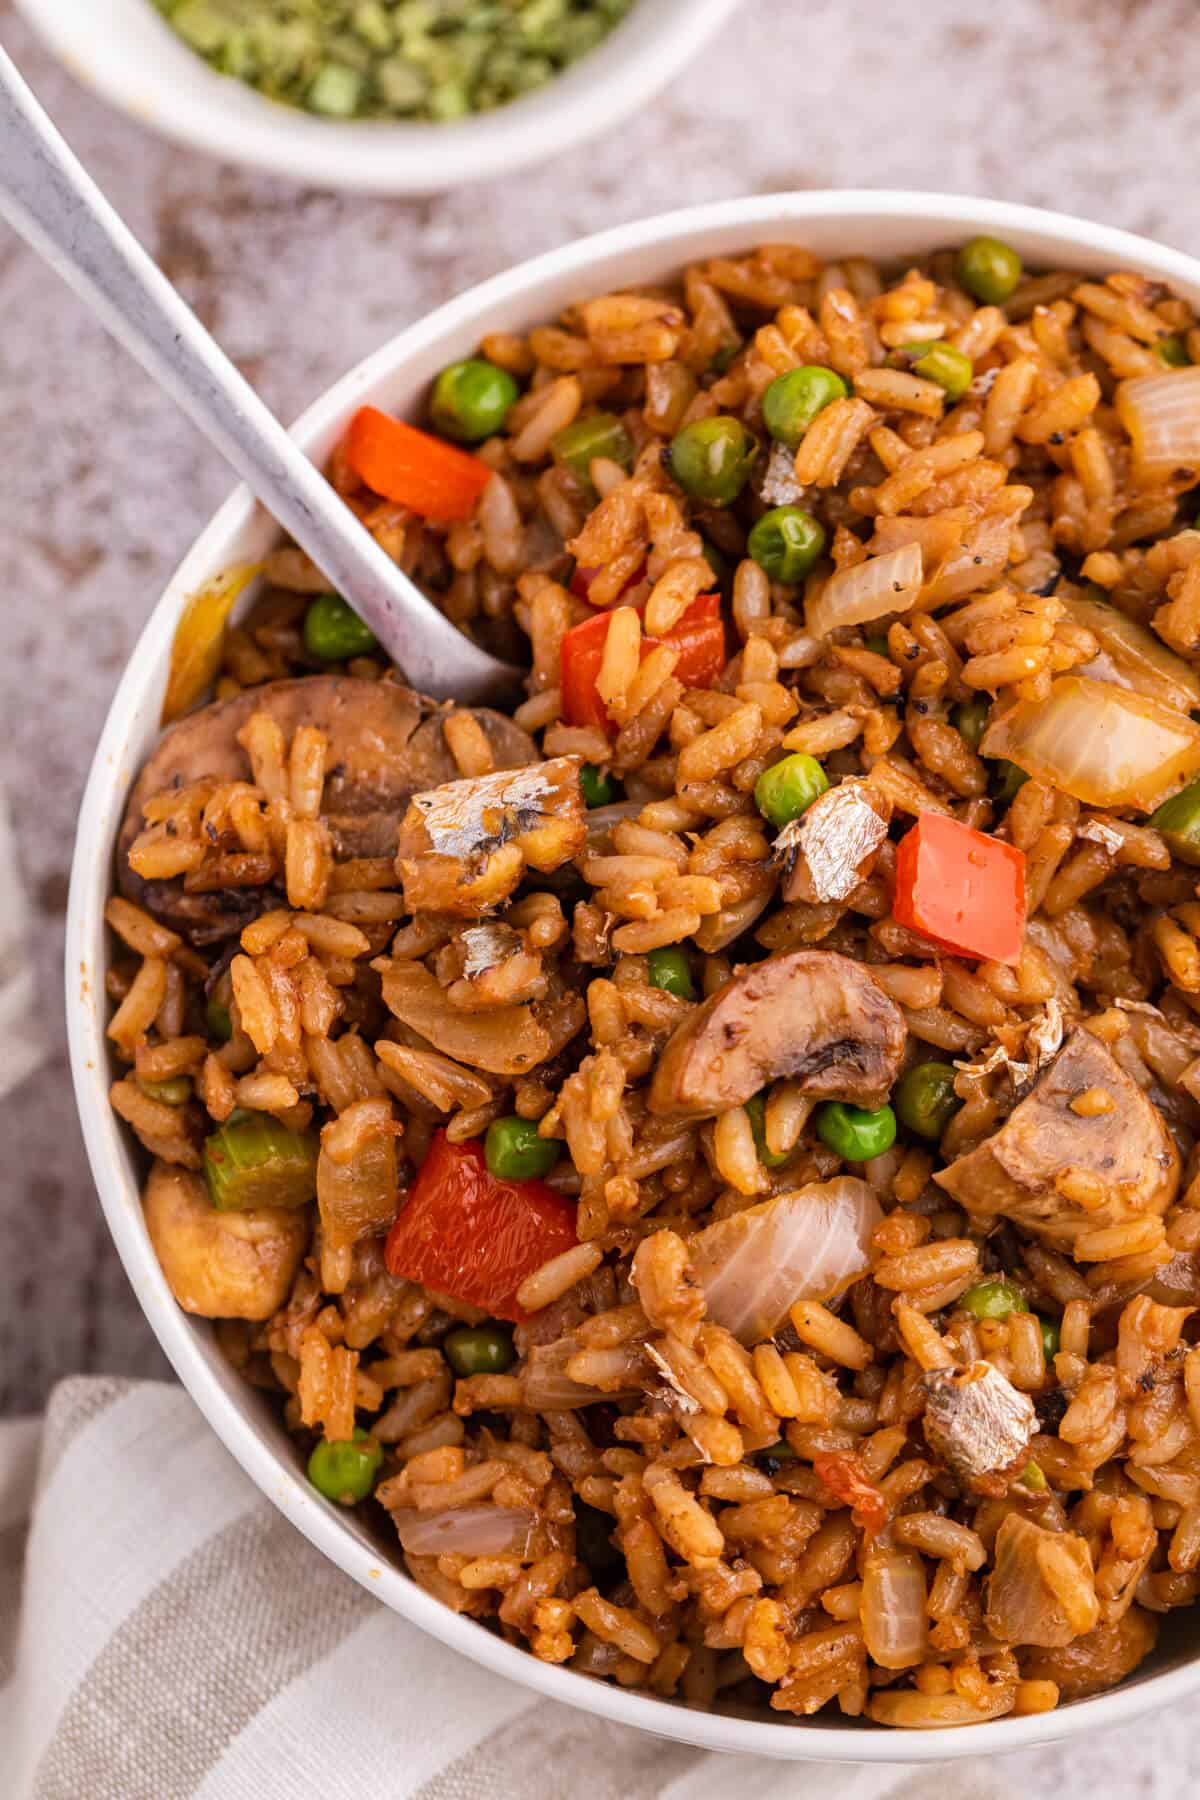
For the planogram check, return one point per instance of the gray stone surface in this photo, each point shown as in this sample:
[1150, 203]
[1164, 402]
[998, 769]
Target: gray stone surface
[1089, 105]
[1083, 104]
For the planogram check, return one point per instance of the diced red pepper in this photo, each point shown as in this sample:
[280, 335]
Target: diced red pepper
[465, 1232]
[844, 1475]
[699, 637]
[961, 888]
[414, 469]
[582, 579]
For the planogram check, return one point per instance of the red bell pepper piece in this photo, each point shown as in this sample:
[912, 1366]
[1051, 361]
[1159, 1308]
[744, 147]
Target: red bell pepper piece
[699, 637]
[414, 469]
[961, 888]
[843, 1474]
[465, 1232]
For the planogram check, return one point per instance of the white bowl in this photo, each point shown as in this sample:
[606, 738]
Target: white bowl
[125, 51]
[884, 225]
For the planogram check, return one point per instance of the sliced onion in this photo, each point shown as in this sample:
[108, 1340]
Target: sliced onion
[481, 1530]
[1161, 413]
[870, 590]
[1102, 744]
[1022, 1606]
[1132, 657]
[548, 1387]
[810, 1244]
[602, 818]
[893, 1608]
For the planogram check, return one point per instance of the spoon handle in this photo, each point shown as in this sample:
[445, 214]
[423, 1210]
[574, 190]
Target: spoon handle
[48, 198]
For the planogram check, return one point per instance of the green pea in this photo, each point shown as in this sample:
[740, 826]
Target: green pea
[786, 543]
[925, 1100]
[941, 363]
[854, 1134]
[345, 1471]
[993, 1299]
[756, 1112]
[336, 91]
[515, 1152]
[711, 459]
[1007, 781]
[471, 399]
[988, 269]
[1179, 821]
[1032, 1477]
[479, 1350]
[176, 1091]
[218, 1019]
[602, 434]
[596, 785]
[1051, 1338]
[877, 642]
[669, 969]
[255, 1161]
[971, 718]
[334, 632]
[1173, 351]
[788, 788]
[792, 401]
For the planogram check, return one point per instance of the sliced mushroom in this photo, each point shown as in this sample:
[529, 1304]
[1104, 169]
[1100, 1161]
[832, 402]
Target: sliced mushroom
[465, 845]
[1129, 1150]
[507, 1040]
[221, 1265]
[811, 1015]
[385, 744]
[1097, 1661]
[976, 1421]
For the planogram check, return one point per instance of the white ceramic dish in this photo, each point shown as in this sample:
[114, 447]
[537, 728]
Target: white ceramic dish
[887, 225]
[126, 52]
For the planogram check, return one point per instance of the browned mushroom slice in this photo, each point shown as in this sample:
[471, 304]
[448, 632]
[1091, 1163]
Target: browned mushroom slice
[1097, 1661]
[508, 1040]
[1128, 1151]
[222, 1265]
[464, 846]
[1042, 1589]
[976, 1421]
[812, 1015]
[385, 744]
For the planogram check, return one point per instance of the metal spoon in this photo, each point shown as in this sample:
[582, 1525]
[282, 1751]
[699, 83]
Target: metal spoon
[46, 196]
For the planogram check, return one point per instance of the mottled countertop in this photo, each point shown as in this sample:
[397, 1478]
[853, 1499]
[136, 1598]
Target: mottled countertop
[1088, 105]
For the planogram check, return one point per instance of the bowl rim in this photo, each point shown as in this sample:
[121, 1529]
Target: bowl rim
[110, 775]
[173, 91]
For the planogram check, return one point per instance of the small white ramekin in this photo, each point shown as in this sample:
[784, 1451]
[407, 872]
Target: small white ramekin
[127, 53]
[890, 226]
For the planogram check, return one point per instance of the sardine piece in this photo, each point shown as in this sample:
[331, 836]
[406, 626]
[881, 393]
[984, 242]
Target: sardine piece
[473, 817]
[835, 843]
[464, 846]
[976, 1421]
[1095, 831]
[486, 946]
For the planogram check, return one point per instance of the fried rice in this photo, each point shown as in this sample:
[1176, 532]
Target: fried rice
[517, 1089]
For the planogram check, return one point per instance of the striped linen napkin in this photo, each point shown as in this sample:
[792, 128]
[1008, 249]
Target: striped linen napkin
[164, 1632]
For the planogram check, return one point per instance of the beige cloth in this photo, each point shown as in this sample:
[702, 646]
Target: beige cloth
[174, 1636]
